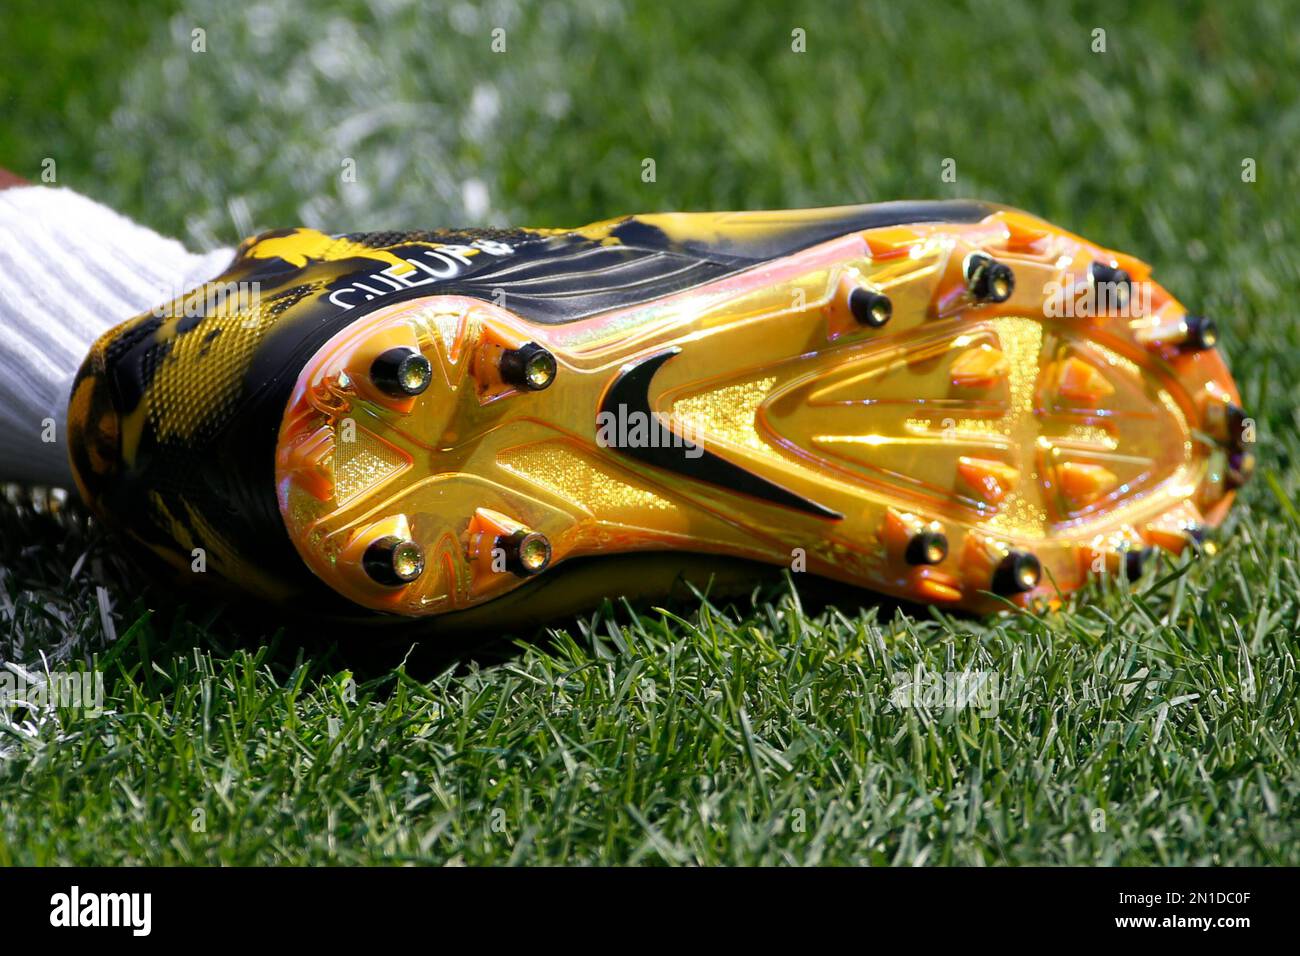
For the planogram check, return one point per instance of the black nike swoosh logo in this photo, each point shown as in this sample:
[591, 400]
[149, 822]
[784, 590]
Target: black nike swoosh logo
[664, 449]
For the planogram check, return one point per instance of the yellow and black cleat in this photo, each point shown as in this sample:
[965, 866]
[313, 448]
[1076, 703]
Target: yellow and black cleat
[949, 402]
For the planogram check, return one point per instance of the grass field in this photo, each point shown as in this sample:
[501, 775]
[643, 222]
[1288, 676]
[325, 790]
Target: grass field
[1158, 727]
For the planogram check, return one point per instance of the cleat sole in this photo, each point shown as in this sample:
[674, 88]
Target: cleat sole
[772, 422]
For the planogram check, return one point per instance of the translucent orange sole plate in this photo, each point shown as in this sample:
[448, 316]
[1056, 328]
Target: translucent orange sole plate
[866, 410]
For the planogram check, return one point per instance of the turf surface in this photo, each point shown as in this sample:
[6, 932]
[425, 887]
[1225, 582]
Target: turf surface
[1152, 727]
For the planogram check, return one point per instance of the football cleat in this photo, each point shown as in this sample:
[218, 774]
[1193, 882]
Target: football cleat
[947, 402]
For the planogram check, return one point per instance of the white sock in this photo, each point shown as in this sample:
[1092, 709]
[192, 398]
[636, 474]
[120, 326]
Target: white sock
[70, 269]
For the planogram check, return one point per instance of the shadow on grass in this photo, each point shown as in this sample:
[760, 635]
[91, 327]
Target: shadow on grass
[372, 647]
[70, 587]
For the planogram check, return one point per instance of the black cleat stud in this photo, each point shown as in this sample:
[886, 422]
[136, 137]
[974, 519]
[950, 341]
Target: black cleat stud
[393, 561]
[926, 547]
[1202, 334]
[989, 280]
[401, 372]
[870, 308]
[528, 367]
[1111, 287]
[1017, 573]
[527, 552]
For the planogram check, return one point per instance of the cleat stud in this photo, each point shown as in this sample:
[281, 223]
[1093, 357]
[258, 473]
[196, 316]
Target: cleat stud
[912, 539]
[1199, 536]
[942, 591]
[1017, 573]
[1173, 533]
[393, 561]
[1225, 422]
[1202, 334]
[527, 552]
[927, 547]
[1187, 333]
[1235, 419]
[1241, 467]
[529, 367]
[401, 372]
[870, 308]
[1135, 561]
[987, 279]
[1111, 286]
